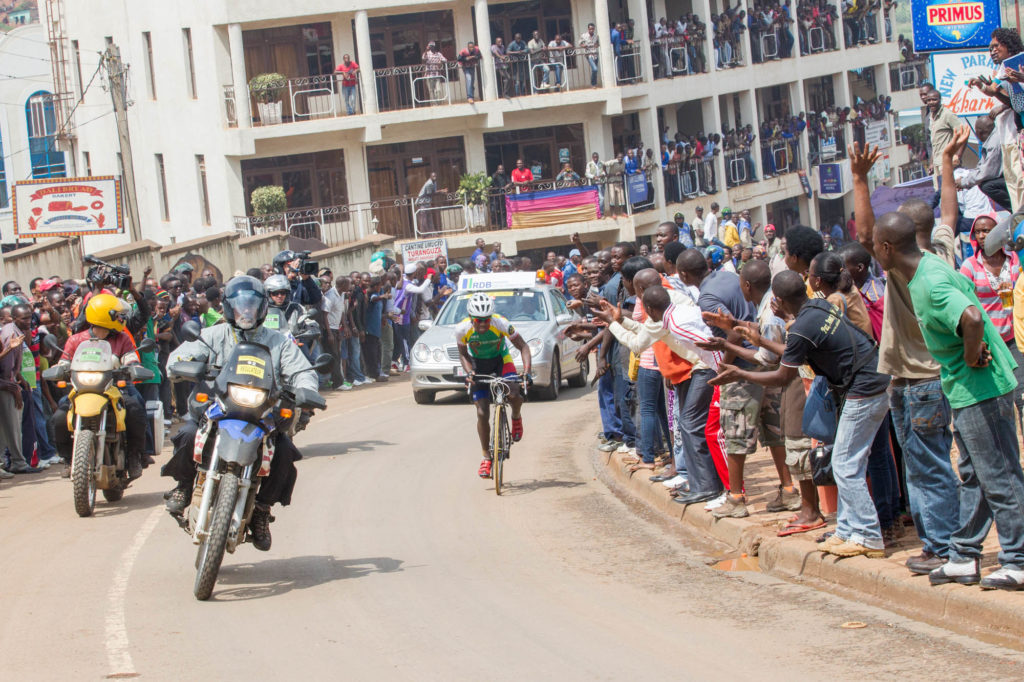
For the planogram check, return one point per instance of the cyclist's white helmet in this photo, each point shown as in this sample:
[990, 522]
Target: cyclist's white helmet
[480, 305]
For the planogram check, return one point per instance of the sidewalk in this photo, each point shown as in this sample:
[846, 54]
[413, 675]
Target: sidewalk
[994, 615]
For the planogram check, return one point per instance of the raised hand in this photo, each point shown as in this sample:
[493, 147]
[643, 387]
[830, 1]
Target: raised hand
[862, 161]
[956, 145]
[723, 321]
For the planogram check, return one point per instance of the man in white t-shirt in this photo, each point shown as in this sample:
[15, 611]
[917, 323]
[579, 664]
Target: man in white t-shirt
[711, 223]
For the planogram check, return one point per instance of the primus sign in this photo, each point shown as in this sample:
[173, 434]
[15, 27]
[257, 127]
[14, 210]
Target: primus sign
[952, 25]
[952, 71]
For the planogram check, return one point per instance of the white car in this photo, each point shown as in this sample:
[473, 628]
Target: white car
[540, 315]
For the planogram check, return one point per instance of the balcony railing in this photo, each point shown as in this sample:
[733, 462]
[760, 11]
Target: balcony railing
[689, 179]
[780, 156]
[677, 56]
[907, 75]
[425, 85]
[629, 65]
[828, 147]
[915, 170]
[739, 167]
[816, 39]
[547, 71]
[303, 99]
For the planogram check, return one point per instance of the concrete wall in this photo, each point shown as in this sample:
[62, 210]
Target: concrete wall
[50, 257]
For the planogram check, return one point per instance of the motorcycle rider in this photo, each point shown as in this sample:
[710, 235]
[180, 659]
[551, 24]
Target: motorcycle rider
[282, 312]
[106, 315]
[245, 308]
[305, 288]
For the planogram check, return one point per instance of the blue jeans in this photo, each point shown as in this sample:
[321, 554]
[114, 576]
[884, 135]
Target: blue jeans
[558, 73]
[46, 449]
[470, 75]
[593, 70]
[610, 421]
[856, 519]
[921, 415]
[355, 358]
[885, 483]
[992, 483]
[622, 387]
[693, 399]
[653, 419]
[348, 93]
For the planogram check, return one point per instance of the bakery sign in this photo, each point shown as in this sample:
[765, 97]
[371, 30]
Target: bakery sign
[67, 207]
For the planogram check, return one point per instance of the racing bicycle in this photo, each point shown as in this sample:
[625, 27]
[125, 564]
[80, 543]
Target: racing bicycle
[501, 431]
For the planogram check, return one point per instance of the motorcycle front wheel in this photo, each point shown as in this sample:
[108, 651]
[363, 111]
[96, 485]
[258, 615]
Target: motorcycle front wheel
[83, 474]
[211, 552]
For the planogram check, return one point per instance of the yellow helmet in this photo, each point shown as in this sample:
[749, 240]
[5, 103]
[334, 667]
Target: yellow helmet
[107, 311]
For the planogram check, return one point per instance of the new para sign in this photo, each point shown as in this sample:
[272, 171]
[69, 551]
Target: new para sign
[952, 70]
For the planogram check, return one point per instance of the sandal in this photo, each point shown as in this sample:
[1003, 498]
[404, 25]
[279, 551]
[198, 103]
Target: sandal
[631, 459]
[792, 528]
[633, 468]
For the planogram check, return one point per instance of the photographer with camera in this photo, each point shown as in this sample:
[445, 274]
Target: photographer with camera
[301, 274]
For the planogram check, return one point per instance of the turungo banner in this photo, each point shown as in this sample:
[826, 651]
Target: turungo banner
[424, 250]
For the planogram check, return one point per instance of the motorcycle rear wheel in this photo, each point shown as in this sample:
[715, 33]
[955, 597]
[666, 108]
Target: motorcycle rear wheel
[211, 552]
[83, 474]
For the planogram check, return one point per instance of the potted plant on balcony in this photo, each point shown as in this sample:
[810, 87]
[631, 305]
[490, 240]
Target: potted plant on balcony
[269, 203]
[266, 89]
[473, 192]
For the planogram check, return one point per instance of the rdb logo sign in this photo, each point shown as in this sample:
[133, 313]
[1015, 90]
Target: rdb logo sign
[951, 25]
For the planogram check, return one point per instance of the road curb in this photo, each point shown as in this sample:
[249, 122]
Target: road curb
[992, 614]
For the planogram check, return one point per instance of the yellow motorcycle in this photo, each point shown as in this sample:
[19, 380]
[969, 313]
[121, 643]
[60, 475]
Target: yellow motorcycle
[96, 416]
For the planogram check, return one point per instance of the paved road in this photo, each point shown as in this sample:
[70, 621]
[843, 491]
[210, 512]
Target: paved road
[397, 562]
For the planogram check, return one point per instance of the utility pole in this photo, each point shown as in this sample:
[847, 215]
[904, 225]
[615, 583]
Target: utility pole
[117, 74]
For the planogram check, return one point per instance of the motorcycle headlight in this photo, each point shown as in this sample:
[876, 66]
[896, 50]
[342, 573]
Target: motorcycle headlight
[246, 396]
[89, 378]
[421, 352]
[438, 355]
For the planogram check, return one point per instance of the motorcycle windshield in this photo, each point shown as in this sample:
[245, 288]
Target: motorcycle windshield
[93, 355]
[250, 365]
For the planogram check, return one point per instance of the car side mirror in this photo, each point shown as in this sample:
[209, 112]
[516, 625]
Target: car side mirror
[191, 330]
[424, 325]
[563, 318]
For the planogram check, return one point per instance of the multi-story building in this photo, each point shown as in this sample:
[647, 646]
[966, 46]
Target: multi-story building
[353, 151]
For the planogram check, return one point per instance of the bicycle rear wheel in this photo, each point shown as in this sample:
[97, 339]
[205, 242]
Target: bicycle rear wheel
[500, 440]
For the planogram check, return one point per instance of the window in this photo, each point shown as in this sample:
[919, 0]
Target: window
[204, 194]
[147, 41]
[190, 63]
[78, 67]
[3, 178]
[87, 164]
[47, 161]
[165, 211]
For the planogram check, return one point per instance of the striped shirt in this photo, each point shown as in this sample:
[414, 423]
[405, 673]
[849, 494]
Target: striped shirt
[986, 285]
[687, 326]
[647, 359]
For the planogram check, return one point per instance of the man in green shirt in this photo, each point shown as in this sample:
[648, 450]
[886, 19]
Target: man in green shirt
[976, 372]
[212, 314]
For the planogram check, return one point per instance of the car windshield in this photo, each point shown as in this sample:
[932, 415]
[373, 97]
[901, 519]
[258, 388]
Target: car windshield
[516, 306]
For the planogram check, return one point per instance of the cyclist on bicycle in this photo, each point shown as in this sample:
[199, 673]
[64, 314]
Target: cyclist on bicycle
[483, 350]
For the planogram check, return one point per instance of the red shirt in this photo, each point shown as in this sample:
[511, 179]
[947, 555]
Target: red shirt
[348, 73]
[122, 346]
[524, 175]
[555, 278]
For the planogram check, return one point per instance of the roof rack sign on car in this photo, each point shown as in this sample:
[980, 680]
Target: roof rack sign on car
[497, 280]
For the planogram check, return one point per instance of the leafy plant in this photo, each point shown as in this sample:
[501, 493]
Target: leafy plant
[473, 188]
[267, 87]
[268, 200]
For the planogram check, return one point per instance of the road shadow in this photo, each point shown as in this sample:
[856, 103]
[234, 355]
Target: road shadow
[130, 502]
[328, 449]
[527, 486]
[277, 577]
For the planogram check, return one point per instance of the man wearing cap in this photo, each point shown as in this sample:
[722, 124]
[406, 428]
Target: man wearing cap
[684, 231]
[728, 234]
[572, 266]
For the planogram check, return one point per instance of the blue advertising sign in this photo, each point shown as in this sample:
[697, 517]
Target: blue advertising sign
[953, 24]
[636, 188]
[830, 178]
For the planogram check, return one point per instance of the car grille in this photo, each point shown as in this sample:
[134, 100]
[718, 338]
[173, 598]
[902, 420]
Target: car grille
[453, 352]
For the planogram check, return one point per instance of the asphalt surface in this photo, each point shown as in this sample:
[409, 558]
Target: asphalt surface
[396, 561]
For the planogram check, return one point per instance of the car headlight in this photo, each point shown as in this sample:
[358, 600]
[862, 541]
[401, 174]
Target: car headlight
[536, 346]
[514, 352]
[438, 355]
[89, 378]
[246, 396]
[421, 352]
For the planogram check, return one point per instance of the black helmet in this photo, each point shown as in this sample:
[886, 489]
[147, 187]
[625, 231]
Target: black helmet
[280, 259]
[245, 302]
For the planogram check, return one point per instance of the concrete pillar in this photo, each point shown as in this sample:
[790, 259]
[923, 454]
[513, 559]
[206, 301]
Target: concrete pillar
[649, 131]
[748, 57]
[342, 38]
[719, 161]
[606, 56]
[483, 35]
[364, 56]
[659, 10]
[641, 24]
[476, 155]
[728, 116]
[357, 177]
[748, 106]
[243, 112]
[799, 100]
[464, 29]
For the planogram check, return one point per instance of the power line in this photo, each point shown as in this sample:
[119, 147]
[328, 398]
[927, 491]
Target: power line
[88, 85]
[85, 123]
[25, 78]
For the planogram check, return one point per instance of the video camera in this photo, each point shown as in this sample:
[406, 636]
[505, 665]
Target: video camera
[117, 276]
[306, 266]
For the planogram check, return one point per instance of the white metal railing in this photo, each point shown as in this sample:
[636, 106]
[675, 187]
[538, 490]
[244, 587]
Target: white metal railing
[819, 32]
[770, 45]
[629, 64]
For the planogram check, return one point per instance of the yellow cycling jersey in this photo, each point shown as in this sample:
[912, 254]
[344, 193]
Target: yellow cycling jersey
[487, 345]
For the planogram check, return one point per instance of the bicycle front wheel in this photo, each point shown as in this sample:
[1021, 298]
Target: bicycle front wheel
[500, 440]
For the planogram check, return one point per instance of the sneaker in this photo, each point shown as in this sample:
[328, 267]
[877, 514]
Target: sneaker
[5, 474]
[167, 422]
[731, 508]
[345, 387]
[1006, 578]
[517, 429]
[610, 446]
[485, 469]
[179, 500]
[26, 469]
[624, 449]
[676, 482]
[786, 500]
[52, 459]
[924, 563]
[831, 541]
[382, 378]
[963, 572]
[42, 465]
[847, 549]
[716, 502]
